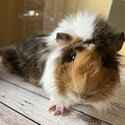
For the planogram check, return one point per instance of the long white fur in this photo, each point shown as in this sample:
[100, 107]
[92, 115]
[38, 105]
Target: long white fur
[81, 25]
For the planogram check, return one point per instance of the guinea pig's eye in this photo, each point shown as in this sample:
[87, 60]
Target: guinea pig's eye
[73, 56]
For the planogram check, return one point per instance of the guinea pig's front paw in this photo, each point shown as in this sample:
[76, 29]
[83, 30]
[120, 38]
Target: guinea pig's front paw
[59, 109]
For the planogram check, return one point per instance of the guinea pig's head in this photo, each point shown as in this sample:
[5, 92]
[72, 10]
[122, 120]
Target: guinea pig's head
[87, 72]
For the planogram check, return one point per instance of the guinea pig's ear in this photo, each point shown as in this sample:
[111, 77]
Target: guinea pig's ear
[117, 41]
[63, 39]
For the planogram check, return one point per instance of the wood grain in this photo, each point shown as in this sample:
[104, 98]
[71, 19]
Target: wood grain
[10, 117]
[36, 107]
[113, 116]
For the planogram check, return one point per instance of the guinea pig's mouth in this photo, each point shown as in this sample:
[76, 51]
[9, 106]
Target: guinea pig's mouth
[93, 99]
[81, 99]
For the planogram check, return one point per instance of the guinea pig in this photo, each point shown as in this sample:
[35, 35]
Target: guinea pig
[76, 64]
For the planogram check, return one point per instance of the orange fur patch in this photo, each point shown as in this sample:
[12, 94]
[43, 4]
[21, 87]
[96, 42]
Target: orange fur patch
[86, 78]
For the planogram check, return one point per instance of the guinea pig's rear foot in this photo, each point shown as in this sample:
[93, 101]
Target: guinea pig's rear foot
[59, 109]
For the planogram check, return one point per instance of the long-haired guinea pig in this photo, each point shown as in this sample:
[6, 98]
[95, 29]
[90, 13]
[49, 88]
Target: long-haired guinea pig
[76, 64]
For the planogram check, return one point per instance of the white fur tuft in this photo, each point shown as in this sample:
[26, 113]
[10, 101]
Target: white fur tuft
[81, 24]
[48, 77]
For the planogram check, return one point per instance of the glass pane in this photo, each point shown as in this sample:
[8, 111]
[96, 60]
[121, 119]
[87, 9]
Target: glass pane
[22, 18]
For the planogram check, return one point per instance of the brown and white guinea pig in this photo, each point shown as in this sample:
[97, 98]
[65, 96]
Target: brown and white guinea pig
[76, 64]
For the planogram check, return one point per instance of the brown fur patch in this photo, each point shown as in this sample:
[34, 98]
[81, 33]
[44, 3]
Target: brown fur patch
[85, 76]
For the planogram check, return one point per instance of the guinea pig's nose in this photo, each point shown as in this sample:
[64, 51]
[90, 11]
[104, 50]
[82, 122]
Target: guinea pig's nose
[81, 101]
[82, 98]
[86, 97]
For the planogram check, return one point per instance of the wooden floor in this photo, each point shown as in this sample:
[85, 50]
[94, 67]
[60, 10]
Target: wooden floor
[25, 104]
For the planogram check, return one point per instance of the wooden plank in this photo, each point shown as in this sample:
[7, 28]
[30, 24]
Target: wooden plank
[36, 107]
[4, 74]
[112, 116]
[10, 117]
[17, 80]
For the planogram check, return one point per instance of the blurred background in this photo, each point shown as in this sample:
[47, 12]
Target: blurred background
[22, 18]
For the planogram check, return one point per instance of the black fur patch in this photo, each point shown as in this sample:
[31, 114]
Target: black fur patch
[70, 51]
[108, 42]
[27, 59]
